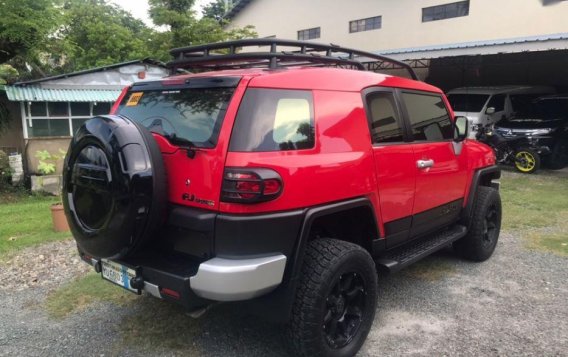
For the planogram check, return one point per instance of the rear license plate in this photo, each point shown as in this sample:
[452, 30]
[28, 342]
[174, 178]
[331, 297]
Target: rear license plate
[118, 274]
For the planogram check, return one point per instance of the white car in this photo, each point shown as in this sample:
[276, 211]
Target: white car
[488, 105]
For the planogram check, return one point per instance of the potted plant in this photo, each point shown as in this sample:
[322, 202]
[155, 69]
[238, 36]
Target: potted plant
[48, 182]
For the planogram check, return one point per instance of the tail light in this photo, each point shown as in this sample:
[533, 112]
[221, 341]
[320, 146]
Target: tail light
[250, 185]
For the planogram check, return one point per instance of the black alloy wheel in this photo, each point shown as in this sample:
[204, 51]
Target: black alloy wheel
[345, 305]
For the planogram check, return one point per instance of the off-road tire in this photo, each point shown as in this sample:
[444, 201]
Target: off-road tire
[480, 242]
[326, 260]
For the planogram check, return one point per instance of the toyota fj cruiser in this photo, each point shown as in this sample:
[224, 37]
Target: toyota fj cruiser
[270, 177]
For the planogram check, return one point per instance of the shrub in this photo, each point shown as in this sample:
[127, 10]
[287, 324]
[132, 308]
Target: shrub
[5, 170]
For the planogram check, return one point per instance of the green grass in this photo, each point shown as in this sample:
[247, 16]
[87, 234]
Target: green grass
[25, 220]
[536, 207]
[80, 293]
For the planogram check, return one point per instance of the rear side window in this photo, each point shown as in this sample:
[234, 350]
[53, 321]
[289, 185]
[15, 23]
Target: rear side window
[191, 114]
[274, 120]
[385, 127]
[428, 117]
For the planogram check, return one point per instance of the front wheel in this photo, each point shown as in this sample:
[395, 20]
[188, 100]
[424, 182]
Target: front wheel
[480, 242]
[336, 299]
[527, 161]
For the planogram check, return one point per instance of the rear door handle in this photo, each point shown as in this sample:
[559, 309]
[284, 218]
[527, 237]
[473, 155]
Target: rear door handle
[422, 164]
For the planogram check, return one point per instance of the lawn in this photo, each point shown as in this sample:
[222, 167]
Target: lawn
[25, 220]
[536, 208]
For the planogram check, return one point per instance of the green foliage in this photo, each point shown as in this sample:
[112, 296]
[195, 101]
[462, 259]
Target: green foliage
[215, 10]
[47, 161]
[185, 29]
[7, 73]
[25, 26]
[5, 170]
[95, 33]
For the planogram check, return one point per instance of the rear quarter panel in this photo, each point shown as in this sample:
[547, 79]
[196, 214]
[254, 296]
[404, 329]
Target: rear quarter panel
[340, 166]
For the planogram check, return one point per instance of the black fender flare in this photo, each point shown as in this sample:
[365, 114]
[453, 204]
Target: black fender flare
[482, 177]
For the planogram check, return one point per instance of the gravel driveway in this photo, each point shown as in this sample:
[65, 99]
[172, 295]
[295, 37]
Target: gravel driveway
[514, 304]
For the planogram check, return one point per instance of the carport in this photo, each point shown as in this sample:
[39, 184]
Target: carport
[536, 60]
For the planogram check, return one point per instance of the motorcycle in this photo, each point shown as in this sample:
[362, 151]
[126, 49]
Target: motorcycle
[517, 151]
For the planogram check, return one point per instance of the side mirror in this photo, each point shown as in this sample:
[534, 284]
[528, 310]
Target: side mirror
[461, 128]
[490, 110]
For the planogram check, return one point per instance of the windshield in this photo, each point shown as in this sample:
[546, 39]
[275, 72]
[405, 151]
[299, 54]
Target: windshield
[468, 102]
[546, 109]
[193, 116]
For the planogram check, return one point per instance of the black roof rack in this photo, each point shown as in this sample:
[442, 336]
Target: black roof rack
[248, 53]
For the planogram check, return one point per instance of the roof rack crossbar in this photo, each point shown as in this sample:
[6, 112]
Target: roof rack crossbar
[227, 55]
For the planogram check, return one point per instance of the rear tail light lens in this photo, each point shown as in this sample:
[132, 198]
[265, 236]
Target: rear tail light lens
[250, 185]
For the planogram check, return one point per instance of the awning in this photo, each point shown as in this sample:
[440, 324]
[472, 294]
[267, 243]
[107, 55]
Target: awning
[549, 42]
[37, 94]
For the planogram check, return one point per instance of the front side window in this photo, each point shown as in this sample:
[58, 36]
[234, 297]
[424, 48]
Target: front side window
[385, 124]
[497, 102]
[309, 34]
[428, 116]
[274, 120]
[190, 114]
[446, 11]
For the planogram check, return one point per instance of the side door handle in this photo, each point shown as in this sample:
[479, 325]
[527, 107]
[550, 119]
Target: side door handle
[422, 164]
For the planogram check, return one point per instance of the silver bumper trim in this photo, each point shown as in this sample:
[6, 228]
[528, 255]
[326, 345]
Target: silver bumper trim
[238, 279]
[152, 289]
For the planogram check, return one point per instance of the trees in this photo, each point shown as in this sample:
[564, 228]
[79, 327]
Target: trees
[56, 36]
[25, 26]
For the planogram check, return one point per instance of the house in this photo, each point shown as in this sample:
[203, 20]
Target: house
[449, 43]
[43, 114]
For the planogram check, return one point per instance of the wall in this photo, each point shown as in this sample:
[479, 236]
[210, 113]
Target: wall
[402, 25]
[52, 145]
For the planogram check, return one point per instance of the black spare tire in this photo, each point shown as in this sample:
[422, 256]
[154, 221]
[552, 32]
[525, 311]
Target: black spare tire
[114, 186]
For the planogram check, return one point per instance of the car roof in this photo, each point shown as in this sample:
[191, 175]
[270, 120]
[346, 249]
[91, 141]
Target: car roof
[315, 78]
[491, 90]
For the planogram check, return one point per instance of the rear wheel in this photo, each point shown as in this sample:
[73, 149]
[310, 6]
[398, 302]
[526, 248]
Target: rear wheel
[335, 301]
[481, 240]
[527, 161]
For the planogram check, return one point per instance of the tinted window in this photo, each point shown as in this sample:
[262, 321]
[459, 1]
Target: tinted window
[58, 109]
[446, 11]
[309, 34]
[80, 109]
[273, 120]
[497, 102]
[101, 108]
[385, 126]
[468, 102]
[367, 24]
[48, 127]
[553, 108]
[192, 114]
[428, 117]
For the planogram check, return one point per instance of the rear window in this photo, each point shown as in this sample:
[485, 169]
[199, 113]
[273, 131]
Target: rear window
[193, 114]
[468, 102]
[274, 120]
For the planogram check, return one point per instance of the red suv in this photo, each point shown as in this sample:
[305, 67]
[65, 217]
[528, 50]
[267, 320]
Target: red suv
[268, 176]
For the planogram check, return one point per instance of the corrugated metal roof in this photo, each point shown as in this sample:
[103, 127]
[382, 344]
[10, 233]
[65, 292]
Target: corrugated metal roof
[37, 94]
[476, 44]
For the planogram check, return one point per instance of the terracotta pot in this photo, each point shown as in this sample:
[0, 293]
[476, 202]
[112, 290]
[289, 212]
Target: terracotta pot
[59, 220]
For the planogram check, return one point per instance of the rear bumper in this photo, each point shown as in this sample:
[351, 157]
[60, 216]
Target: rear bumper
[193, 284]
[238, 279]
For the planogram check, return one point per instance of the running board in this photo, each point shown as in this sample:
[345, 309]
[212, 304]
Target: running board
[399, 258]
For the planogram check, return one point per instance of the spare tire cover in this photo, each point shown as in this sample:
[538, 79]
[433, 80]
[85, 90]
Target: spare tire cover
[114, 186]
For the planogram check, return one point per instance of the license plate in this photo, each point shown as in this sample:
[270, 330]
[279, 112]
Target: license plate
[118, 274]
